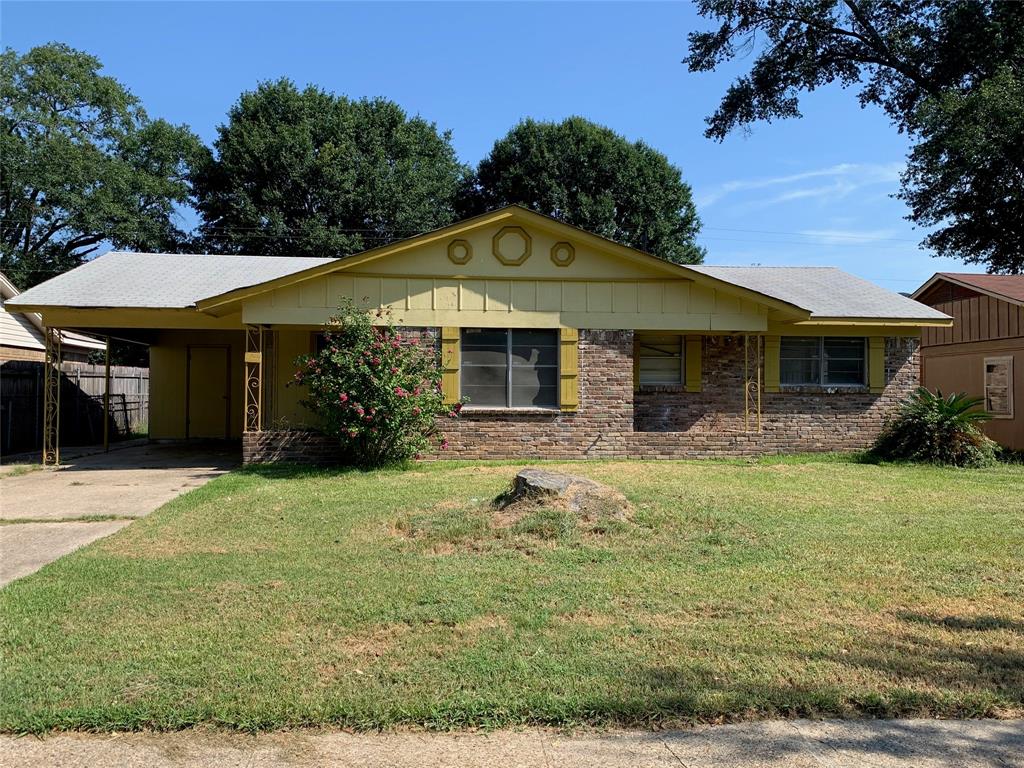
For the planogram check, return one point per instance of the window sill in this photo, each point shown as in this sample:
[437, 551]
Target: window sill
[662, 388]
[827, 389]
[485, 411]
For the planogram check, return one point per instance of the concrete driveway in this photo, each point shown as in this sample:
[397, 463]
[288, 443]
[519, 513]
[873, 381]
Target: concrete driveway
[47, 513]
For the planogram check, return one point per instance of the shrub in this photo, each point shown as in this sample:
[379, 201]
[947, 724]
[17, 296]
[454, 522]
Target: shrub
[377, 392]
[930, 427]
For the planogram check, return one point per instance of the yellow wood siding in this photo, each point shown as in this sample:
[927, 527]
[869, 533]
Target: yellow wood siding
[569, 369]
[450, 363]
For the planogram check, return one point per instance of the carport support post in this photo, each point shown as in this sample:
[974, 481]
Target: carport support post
[51, 398]
[106, 396]
[253, 378]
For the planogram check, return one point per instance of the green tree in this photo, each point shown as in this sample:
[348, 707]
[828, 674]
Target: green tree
[81, 164]
[308, 173]
[966, 175]
[918, 60]
[589, 176]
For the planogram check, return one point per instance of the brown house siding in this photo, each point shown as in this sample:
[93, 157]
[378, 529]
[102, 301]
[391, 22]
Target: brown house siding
[953, 359]
[614, 422]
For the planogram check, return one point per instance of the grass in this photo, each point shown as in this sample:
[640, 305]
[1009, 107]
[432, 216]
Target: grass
[283, 597]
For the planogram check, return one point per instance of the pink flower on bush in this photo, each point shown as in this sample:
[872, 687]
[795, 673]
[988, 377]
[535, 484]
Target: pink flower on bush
[394, 369]
[375, 361]
[416, 411]
[401, 392]
[359, 411]
[457, 408]
[343, 398]
[444, 444]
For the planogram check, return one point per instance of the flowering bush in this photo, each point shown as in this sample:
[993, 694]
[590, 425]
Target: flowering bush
[378, 393]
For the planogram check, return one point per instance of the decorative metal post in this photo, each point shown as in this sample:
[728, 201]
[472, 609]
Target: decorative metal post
[51, 399]
[751, 382]
[253, 378]
[106, 398]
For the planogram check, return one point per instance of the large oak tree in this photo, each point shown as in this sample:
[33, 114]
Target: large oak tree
[589, 176]
[82, 164]
[308, 173]
[929, 65]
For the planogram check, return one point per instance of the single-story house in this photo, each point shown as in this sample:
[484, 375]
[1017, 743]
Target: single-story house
[566, 344]
[982, 353]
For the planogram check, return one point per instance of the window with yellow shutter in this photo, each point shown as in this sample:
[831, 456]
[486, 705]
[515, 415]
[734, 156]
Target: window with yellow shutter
[509, 368]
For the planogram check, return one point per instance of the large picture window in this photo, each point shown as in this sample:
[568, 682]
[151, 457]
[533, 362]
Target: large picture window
[823, 361]
[659, 360]
[510, 368]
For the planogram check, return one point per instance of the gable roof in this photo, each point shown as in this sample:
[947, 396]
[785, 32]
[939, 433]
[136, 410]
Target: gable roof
[1007, 287]
[510, 213]
[218, 284]
[158, 280]
[826, 292]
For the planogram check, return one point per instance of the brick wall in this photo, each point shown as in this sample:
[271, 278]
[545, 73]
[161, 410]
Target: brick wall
[599, 428]
[293, 445]
[613, 421]
[710, 423]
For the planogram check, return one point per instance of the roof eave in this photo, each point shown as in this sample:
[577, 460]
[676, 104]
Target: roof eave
[932, 322]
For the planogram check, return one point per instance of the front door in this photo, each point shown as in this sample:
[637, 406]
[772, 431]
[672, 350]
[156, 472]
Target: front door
[208, 414]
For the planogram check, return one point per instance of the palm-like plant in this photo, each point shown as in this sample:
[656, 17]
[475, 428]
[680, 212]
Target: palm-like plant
[931, 427]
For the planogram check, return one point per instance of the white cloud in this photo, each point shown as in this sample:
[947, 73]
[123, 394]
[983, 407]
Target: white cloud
[847, 236]
[846, 178]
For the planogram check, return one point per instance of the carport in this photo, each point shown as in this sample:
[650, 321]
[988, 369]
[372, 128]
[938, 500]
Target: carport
[211, 377]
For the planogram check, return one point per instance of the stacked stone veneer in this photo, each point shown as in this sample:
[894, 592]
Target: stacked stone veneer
[663, 422]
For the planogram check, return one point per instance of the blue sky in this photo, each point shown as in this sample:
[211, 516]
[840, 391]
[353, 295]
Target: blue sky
[810, 191]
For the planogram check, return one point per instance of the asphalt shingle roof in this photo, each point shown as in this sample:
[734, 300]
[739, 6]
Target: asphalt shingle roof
[159, 280]
[825, 292]
[171, 280]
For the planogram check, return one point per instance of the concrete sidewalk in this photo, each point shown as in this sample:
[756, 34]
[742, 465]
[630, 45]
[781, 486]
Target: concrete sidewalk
[780, 744]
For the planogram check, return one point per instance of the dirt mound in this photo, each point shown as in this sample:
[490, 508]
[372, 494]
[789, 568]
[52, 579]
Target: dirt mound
[534, 488]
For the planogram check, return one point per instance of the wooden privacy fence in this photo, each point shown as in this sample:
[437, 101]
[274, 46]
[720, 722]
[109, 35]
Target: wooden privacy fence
[81, 411]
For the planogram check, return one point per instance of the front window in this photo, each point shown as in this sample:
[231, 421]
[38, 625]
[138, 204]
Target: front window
[823, 361]
[999, 386]
[659, 360]
[510, 368]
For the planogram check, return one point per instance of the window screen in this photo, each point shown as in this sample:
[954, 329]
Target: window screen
[515, 368]
[831, 361]
[660, 359]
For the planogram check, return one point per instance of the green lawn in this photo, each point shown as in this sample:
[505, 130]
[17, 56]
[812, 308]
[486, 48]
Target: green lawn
[280, 597]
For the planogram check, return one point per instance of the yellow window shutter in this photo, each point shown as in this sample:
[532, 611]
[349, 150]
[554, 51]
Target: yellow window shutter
[569, 369]
[450, 362]
[772, 348]
[876, 363]
[693, 363]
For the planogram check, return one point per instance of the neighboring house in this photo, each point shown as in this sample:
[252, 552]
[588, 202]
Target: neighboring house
[983, 352]
[22, 354]
[565, 343]
[21, 335]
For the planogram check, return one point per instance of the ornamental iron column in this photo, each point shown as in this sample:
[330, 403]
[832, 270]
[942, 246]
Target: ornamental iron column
[51, 398]
[751, 382]
[253, 378]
